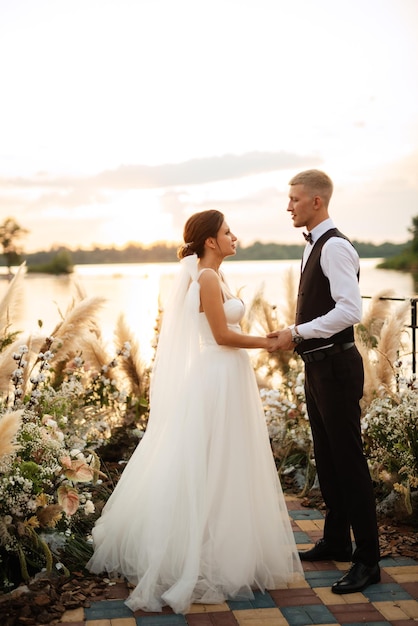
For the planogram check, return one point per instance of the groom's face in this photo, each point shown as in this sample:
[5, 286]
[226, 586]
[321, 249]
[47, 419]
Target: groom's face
[301, 206]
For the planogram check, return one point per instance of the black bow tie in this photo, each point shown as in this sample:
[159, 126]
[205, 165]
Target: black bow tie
[308, 237]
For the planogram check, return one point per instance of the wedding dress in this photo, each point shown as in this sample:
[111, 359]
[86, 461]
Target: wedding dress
[198, 514]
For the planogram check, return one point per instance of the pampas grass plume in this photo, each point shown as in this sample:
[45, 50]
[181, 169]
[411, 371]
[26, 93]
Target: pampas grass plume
[390, 343]
[132, 366]
[9, 426]
[10, 301]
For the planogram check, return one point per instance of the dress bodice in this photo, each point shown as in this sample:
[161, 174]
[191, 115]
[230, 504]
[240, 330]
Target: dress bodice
[234, 311]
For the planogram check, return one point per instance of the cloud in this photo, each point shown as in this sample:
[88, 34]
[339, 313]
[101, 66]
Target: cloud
[68, 200]
[377, 209]
[199, 171]
[42, 199]
[192, 172]
[250, 189]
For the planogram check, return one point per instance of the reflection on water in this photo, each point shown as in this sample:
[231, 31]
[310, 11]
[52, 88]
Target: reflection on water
[136, 289]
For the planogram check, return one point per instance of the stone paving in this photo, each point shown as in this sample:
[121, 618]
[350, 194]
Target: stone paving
[392, 602]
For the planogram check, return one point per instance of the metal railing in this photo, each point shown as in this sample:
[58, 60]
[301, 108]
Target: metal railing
[413, 325]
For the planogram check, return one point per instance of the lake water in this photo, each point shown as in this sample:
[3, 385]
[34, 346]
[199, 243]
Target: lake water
[136, 290]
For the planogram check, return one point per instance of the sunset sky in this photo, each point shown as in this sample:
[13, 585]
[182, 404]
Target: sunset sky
[120, 118]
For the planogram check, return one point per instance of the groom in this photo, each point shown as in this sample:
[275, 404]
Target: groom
[328, 306]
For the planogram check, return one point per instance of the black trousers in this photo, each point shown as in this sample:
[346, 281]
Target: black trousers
[334, 388]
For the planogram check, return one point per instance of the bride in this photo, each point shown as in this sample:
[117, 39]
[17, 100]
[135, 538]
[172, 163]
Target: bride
[198, 514]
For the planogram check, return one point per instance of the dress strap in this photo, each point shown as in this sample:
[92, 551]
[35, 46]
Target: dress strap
[203, 270]
[226, 292]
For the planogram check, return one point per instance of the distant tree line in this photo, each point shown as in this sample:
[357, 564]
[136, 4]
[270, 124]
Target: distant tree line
[165, 253]
[61, 260]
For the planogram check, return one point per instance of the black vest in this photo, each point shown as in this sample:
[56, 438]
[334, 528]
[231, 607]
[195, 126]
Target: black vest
[314, 296]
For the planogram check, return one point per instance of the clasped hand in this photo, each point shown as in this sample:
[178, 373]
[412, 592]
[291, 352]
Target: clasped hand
[280, 340]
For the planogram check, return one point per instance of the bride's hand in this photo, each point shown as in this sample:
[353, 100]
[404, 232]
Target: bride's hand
[271, 343]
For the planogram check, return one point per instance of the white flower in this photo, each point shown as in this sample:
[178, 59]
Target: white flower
[89, 507]
[48, 421]
[40, 378]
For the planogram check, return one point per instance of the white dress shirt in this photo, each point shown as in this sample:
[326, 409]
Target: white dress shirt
[340, 264]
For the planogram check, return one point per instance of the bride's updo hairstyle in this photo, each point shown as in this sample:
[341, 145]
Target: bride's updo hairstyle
[197, 229]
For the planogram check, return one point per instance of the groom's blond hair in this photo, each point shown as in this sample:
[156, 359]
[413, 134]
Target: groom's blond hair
[318, 183]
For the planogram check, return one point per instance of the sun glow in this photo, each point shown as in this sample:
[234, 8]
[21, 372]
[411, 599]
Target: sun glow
[128, 139]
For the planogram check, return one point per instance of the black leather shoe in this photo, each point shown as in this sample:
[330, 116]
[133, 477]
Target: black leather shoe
[322, 551]
[357, 578]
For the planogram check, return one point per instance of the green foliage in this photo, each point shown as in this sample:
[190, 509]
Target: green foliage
[8, 338]
[50, 485]
[61, 263]
[407, 259]
[288, 424]
[405, 262]
[391, 436]
[10, 233]
[268, 252]
[32, 472]
[414, 231]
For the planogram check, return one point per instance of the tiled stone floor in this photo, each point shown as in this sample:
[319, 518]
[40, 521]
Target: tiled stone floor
[392, 602]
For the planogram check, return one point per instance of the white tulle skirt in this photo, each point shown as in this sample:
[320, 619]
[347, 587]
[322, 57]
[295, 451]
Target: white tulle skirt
[198, 514]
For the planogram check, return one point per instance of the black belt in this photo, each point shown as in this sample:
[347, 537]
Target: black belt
[320, 355]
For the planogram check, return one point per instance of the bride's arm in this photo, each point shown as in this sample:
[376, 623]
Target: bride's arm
[212, 305]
